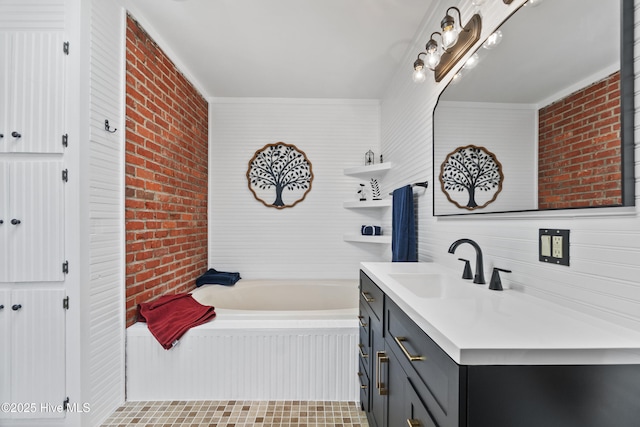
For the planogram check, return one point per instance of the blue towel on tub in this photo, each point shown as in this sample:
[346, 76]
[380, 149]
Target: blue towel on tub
[403, 233]
[214, 277]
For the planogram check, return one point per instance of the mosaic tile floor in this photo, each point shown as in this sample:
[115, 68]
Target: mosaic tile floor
[238, 414]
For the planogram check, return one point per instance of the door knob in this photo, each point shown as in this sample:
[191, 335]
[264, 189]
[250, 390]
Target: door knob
[16, 307]
[15, 221]
[15, 134]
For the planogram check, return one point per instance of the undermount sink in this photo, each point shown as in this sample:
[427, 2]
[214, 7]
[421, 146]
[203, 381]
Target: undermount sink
[424, 285]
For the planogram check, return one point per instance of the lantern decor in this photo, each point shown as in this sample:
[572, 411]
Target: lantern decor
[368, 158]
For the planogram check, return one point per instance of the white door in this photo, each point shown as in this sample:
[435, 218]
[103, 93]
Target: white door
[5, 354]
[38, 351]
[36, 101]
[4, 221]
[36, 223]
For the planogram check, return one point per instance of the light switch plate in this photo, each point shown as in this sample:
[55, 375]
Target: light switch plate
[553, 246]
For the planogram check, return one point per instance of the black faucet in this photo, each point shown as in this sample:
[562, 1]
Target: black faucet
[479, 276]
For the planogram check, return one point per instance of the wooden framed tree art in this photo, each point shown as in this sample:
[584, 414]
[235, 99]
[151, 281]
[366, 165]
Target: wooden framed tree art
[279, 175]
[471, 177]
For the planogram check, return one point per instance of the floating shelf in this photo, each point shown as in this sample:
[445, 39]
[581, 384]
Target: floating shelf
[368, 204]
[364, 170]
[367, 239]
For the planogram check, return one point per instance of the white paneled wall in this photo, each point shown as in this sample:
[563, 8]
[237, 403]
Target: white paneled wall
[304, 241]
[103, 352]
[605, 250]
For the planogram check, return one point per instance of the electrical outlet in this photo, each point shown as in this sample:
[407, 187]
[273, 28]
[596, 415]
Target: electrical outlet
[556, 246]
[553, 246]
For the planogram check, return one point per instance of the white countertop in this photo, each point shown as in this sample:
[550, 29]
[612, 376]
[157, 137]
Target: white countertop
[478, 326]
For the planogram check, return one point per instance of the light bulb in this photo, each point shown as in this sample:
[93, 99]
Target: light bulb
[433, 54]
[449, 37]
[449, 32]
[493, 40]
[419, 75]
[472, 62]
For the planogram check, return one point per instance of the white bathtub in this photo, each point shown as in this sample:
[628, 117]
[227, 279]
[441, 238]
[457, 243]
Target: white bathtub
[270, 340]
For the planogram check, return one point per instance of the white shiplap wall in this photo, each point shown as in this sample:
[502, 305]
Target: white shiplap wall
[103, 157]
[306, 240]
[605, 250]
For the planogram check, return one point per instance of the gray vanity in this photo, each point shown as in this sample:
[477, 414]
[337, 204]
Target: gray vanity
[436, 350]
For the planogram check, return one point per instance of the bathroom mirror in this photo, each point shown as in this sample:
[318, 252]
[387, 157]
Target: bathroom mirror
[554, 102]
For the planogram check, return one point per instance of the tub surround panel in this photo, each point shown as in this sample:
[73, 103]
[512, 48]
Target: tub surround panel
[246, 361]
[602, 278]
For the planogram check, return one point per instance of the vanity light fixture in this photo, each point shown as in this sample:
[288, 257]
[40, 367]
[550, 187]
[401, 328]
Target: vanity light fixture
[455, 43]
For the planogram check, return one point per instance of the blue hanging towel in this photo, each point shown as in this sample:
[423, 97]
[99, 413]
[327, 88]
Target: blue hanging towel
[403, 233]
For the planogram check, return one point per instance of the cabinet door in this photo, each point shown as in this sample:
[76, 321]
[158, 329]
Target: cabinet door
[38, 351]
[5, 86]
[5, 356]
[5, 221]
[36, 102]
[379, 381]
[36, 243]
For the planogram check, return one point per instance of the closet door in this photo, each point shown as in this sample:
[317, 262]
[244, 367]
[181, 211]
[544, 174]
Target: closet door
[5, 221]
[38, 351]
[5, 355]
[36, 203]
[36, 103]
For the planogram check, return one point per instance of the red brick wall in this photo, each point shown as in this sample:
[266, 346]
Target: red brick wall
[579, 148]
[166, 175]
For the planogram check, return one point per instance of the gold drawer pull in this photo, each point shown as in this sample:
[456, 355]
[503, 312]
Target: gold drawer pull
[414, 423]
[363, 324]
[367, 297]
[381, 357]
[411, 357]
[363, 386]
[363, 354]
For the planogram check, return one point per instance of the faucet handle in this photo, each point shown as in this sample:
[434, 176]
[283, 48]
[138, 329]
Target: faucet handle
[496, 284]
[466, 274]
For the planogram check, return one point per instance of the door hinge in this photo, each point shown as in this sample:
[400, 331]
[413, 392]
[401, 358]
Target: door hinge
[65, 175]
[65, 303]
[65, 140]
[65, 267]
[65, 404]
[65, 48]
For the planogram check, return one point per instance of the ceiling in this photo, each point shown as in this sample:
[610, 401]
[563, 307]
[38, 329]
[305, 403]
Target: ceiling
[286, 48]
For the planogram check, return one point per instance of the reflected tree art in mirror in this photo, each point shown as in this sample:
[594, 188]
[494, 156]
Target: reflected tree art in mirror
[560, 118]
[279, 175]
[471, 177]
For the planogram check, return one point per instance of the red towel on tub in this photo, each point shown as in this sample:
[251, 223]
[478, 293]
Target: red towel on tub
[170, 316]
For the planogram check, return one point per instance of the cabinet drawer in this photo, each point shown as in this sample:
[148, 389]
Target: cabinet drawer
[415, 410]
[429, 368]
[363, 318]
[372, 296]
[363, 376]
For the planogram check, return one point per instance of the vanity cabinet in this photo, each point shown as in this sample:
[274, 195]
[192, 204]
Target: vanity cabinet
[411, 381]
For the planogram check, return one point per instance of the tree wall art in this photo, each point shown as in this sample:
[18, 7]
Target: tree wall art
[471, 177]
[279, 175]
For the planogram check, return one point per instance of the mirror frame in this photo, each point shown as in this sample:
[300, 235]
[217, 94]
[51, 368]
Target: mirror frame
[627, 121]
